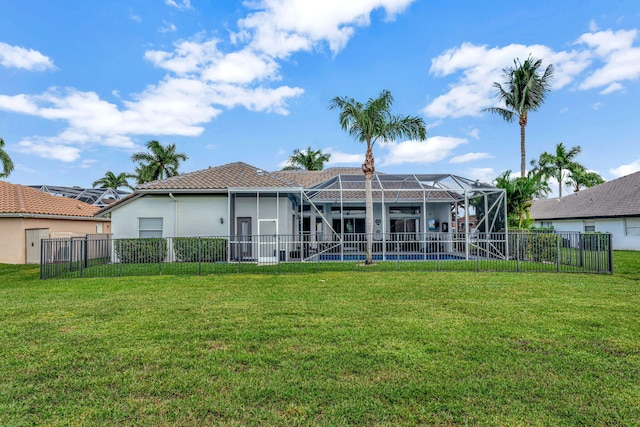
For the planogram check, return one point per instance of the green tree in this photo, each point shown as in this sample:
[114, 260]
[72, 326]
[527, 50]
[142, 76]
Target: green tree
[558, 164]
[7, 164]
[158, 163]
[111, 180]
[582, 178]
[368, 123]
[520, 193]
[311, 160]
[524, 90]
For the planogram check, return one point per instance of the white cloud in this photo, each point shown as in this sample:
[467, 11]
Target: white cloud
[27, 59]
[625, 169]
[339, 158]
[593, 26]
[182, 5]
[610, 54]
[474, 133]
[597, 106]
[281, 27]
[485, 175]
[167, 27]
[47, 150]
[432, 150]
[134, 17]
[87, 163]
[470, 157]
[480, 66]
[202, 79]
[621, 59]
[613, 87]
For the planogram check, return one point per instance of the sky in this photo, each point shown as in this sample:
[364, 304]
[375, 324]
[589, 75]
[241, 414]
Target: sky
[84, 85]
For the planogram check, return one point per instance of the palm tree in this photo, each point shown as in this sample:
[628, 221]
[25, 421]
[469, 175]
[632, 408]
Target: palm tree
[520, 193]
[7, 164]
[524, 91]
[556, 165]
[111, 180]
[311, 160]
[582, 178]
[369, 123]
[159, 163]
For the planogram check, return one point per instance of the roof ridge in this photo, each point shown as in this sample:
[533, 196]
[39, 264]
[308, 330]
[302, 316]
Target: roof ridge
[22, 206]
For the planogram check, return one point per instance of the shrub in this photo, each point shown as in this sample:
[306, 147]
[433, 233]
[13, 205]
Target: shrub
[194, 249]
[541, 247]
[139, 251]
[537, 246]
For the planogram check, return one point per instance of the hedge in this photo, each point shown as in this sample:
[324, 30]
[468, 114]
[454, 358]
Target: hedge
[139, 251]
[204, 249]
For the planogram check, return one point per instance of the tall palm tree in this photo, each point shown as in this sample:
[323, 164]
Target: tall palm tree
[7, 164]
[557, 164]
[111, 180]
[159, 163]
[368, 123]
[311, 160]
[582, 178]
[524, 90]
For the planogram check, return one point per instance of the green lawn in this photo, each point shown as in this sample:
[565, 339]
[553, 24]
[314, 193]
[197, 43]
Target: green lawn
[329, 348]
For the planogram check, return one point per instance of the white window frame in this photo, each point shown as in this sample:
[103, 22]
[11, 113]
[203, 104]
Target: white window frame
[150, 227]
[589, 226]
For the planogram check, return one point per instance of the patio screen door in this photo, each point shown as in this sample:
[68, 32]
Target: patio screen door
[268, 246]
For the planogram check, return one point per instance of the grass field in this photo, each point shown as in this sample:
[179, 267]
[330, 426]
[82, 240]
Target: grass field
[330, 348]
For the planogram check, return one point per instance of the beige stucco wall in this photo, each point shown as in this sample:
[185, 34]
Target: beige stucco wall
[13, 234]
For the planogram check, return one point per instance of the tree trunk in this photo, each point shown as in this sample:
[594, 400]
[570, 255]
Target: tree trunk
[523, 150]
[368, 168]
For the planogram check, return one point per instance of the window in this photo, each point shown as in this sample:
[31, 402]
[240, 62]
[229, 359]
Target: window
[632, 226]
[404, 210]
[589, 226]
[149, 227]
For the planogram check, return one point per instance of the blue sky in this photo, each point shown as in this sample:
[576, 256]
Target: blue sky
[83, 85]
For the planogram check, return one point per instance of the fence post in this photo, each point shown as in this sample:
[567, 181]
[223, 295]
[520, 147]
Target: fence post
[42, 258]
[610, 252]
[558, 254]
[517, 236]
[199, 255]
[598, 246]
[120, 255]
[86, 250]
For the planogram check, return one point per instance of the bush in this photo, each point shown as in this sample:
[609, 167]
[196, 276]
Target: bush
[205, 249]
[537, 246]
[140, 251]
[541, 247]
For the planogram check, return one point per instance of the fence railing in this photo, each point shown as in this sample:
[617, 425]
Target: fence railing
[103, 256]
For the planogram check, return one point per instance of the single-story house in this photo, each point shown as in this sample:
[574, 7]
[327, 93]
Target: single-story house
[612, 207]
[248, 203]
[28, 215]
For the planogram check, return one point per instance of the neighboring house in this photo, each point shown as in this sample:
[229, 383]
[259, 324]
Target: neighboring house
[612, 207]
[28, 215]
[241, 200]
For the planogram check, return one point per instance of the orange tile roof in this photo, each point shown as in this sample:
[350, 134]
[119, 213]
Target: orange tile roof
[19, 199]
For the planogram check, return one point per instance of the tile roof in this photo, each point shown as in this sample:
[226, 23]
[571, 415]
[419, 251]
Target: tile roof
[231, 175]
[620, 197]
[19, 199]
[308, 179]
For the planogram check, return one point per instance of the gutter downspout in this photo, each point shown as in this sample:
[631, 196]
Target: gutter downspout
[175, 215]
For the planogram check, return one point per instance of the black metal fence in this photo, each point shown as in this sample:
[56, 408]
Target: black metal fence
[103, 256]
